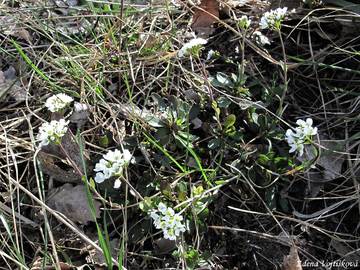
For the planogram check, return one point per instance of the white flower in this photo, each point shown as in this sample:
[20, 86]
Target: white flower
[295, 142]
[260, 38]
[112, 164]
[196, 42]
[244, 22]
[210, 54]
[169, 234]
[127, 156]
[100, 177]
[57, 102]
[52, 132]
[179, 228]
[117, 183]
[273, 18]
[168, 221]
[102, 165]
[154, 216]
[113, 156]
[306, 127]
[162, 208]
[301, 136]
[169, 212]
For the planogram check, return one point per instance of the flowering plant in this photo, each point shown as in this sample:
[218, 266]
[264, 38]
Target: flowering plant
[58, 102]
[112, 164]
[244, 22]
[168, 221]
[52, 132]
[193, 45]
[272, 19]
[302, 135]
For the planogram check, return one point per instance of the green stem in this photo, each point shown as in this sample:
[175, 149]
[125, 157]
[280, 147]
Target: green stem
[285, 74]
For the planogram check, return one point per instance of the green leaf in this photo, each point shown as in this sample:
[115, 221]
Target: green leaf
[182, 196]
[146, 204]
[104, 141]
[234, 77]
[223, 102]
[214, 143]
[154, 121]
[182, 187]
[223, 79]
[165, 188]
[229, 121]
[263, 121]
[255, 117]
[163, 135]
[192, 258]
[198, 190]
[263, 159]
[188, 136]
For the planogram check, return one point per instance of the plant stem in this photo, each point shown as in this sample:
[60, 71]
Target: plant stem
[242, 65]
[285, 75]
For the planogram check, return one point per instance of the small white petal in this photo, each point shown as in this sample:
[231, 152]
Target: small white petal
[101, 165]
[293, 148]
[314, 131]
[162, 208]
[301, 150]
[117, 183]
[127, 156]
[210, 55]
[309, 121]
[99, 177]
[301, 123]
[154, 215]
[113, 155]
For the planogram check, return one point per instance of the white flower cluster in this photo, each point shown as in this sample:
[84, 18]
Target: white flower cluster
[112, 164]
[272, 19]
[52, 132]
[244, 22]
[195, 42]
[301, 136]
[168, 221]
[58, 102]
